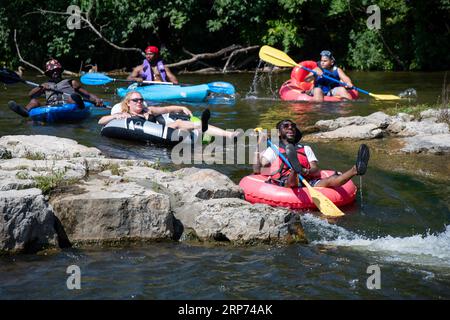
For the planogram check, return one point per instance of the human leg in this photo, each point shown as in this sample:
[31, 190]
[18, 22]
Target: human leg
[317, 95]
[34, 103]
[18, 109]
[23, 111]
[341, 92]
[359, 168]
[292, 180]
[212, 130]
[337, 179]
[76, 98]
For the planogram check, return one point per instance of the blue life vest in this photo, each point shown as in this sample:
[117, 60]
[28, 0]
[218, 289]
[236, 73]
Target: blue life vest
[325, 84]
[147, 73]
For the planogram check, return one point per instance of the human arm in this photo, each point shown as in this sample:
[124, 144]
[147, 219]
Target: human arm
[38, 91]
[105, 119]
[312, 171]
[134, 75]
[78, 88]
[345, 78]
[312, 75]
[261, 158]
[171, 77]
[313, 163]
[169, 109]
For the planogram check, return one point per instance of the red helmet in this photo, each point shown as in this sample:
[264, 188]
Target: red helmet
[152, 49]
[51, 65]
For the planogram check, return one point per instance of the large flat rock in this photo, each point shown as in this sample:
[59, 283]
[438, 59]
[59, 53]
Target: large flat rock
[45, 147]
[104, 210]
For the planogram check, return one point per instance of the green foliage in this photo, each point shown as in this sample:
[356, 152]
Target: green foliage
[283, 33]
[415, 36]
[366, 52]
[114, 168]
[49, 182]
[34, 155]
[22, 175]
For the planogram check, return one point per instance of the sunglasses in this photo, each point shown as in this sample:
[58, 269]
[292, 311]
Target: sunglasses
[136, 100]
[288, 124]
[325, 53]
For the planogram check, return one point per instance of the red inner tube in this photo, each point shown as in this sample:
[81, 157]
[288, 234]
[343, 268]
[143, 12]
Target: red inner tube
[295, 88]
[257, 190]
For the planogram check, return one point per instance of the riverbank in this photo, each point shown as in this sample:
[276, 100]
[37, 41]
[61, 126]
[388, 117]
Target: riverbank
[427, 133]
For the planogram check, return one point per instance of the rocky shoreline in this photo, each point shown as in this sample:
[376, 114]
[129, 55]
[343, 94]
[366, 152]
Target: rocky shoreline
[56, 193]
[427, 133]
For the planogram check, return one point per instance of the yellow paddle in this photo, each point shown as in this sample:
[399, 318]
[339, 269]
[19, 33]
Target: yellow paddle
[325, 205]
[281, 59]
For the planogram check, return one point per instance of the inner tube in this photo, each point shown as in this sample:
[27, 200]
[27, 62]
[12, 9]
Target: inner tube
[257, 190]
[295, 88]
[139, 129]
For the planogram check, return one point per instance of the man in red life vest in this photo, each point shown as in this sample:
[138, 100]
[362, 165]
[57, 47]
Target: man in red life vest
[303, 161]
[152, 68]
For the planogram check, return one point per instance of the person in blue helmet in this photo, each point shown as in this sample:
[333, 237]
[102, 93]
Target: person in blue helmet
[324, 87]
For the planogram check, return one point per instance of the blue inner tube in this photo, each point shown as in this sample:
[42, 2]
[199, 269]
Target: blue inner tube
[61, 113]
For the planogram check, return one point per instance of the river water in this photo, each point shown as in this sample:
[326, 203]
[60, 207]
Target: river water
[400, 222]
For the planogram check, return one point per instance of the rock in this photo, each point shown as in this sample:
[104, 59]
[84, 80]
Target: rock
[396, 127]
[27, 223]
[435, 115]
[238, 221]
[5, 154]
[327, 125]
[39, 147]
[106, 210]
[367, 131]
[404, 117]
[45, 167]
[379, 119]
[188, 184]
[423, 128]
[15, 180]
[437, 144]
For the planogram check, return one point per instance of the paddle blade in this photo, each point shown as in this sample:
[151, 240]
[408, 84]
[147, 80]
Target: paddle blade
[385, 96]
[276, 57]
[325, 205]
[221, 87]
[95, 79]
[9, 77]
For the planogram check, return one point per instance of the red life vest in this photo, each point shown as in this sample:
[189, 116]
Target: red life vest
[279, 169]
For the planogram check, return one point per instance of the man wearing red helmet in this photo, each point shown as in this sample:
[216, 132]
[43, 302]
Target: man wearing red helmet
[152, 68]
[72, 88]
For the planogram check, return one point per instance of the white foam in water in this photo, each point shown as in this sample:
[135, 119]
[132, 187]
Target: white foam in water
[429, 249]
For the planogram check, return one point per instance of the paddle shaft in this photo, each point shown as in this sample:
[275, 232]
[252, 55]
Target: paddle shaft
[101, 79]
[334, 80]
[145, 81]
[34, 84]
